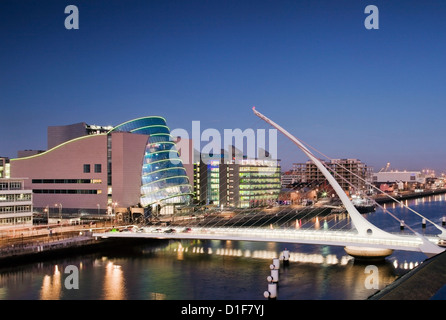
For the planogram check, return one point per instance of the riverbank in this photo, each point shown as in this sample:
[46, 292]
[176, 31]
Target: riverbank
[407, 195]
[23, 245]
[61, 248]
[426, 282]
[41, 248]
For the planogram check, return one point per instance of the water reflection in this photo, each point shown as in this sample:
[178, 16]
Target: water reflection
[157, 296]
[314, 258]
[336, 272]
[51, 286]
[214, 269]
[114, 284]
[432, 207]
[336, 221]
[200, 269]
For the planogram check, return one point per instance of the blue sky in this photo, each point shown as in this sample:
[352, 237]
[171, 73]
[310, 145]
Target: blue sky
[311, 66]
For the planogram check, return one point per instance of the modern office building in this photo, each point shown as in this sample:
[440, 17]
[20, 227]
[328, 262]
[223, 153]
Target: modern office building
[16, 203]
[98, 169]
[237, 183]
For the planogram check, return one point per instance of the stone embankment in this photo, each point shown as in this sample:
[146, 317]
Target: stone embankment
[425, 282]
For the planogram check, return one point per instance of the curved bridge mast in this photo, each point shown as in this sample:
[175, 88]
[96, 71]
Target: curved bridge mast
[362, 225]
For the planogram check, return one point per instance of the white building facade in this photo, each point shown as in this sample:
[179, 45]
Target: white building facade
[399, 176]
[16, 204]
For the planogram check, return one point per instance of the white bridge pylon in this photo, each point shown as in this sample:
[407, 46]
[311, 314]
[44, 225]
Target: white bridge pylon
[364, 227]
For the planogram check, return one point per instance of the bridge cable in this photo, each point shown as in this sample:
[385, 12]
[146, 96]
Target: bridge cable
[371, 185]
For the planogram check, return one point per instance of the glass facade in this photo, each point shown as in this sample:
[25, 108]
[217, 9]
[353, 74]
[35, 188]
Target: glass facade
[249, 183]
[214, 183]
[259, 183]
[164, 179]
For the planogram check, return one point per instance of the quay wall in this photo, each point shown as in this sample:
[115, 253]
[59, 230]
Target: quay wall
[409, 195]
[40, 250]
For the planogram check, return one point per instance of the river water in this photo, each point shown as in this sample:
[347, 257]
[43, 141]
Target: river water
[219, 270]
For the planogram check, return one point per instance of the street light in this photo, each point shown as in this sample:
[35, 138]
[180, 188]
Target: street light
[47, 210]
[114, 204]
[60, 211]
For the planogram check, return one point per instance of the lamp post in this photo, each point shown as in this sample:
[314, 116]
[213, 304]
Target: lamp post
[47, 210]
[60, 211]
[114, 204]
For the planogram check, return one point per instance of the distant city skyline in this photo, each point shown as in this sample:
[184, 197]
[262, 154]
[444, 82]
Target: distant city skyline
[311, 66]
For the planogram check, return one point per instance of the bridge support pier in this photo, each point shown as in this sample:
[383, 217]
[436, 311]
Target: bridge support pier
[368, 253]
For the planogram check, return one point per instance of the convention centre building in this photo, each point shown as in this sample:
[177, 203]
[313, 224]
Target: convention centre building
[96, 169]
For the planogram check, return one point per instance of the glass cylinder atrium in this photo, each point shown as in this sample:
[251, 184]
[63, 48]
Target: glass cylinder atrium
[164, 179]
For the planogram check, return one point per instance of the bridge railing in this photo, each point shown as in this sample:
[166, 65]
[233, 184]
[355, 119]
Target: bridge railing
[327, 237]
[314, 235]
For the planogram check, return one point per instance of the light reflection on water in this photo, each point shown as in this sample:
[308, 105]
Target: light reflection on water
[51, 286]
[217, 270]
[114, 286]
[201, 270]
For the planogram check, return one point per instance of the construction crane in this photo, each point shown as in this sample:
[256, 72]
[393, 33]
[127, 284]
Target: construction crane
[385, 168]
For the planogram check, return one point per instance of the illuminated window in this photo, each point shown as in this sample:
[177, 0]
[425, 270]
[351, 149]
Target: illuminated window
[15, 186]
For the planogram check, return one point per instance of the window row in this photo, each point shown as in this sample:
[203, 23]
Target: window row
[95, 181]
[260, 186]
[259, 192]
[15, 209]
[258, 181]
[64, 191]
[259, 174]
[15, 197]
[15, 220]
[254, 198]
[10, 186]
[260, 169]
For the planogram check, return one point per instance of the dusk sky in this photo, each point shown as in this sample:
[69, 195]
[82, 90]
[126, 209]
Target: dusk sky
[376, 95]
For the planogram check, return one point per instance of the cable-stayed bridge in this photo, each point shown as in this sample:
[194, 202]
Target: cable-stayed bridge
[322, 237]
[362, 240]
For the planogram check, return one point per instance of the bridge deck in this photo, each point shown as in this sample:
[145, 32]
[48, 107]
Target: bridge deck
[304, 236]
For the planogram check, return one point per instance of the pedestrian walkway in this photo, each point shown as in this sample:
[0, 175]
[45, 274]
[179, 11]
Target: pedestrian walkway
[44, 245]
